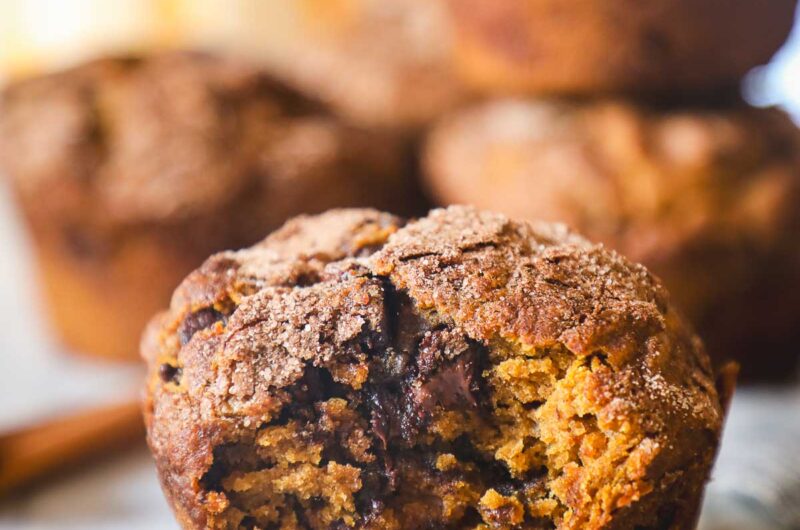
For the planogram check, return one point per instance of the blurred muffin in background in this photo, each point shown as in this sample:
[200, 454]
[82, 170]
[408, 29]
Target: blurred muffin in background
[379, 63]
[586, 47]
[130, 172]
[708, 199]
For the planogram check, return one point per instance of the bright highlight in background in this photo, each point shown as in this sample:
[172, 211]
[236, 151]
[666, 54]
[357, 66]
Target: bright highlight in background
[779, 83]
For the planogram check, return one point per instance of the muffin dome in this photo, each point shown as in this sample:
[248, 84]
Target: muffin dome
[464, 370]
[167, 137]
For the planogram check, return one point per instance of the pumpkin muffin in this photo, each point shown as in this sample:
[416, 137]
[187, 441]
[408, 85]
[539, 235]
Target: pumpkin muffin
[708, 199]
[130, 172]
[379, 63]
[586, 47]
[466, 371]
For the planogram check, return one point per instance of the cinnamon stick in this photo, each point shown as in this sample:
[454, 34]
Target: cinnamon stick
[38, 452]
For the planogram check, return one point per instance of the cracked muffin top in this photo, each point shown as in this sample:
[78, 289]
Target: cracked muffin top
[174, 136]
[354, 370]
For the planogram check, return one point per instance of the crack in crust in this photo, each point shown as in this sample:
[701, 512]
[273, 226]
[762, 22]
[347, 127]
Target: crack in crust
[460, 371]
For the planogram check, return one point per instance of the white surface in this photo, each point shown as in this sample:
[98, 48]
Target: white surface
[119, 494]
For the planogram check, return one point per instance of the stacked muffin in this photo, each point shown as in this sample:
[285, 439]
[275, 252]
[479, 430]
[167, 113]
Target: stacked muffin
[625, 121]
[130, 172]
[378, 63]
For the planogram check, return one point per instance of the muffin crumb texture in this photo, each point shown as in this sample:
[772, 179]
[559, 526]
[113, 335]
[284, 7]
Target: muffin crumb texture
[354, 370]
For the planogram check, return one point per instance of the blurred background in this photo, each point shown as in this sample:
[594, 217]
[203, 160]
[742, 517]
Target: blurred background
[397, 84]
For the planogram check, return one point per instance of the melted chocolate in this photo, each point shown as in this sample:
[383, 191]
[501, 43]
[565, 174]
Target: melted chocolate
[194, 322]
